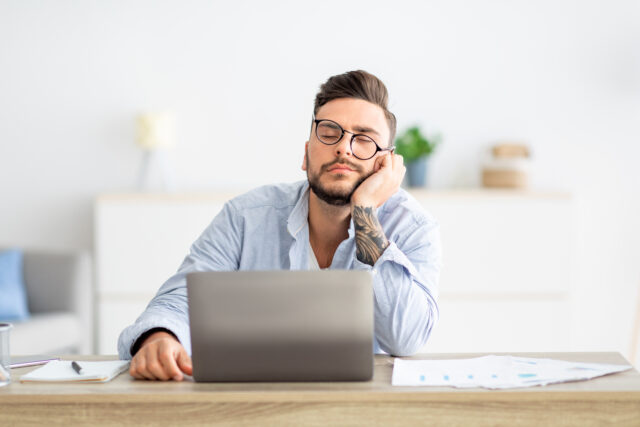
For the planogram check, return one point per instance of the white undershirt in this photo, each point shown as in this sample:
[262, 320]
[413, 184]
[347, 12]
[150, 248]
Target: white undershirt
[313, 261]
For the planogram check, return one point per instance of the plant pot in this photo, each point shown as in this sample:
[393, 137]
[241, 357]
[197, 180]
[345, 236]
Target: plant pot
[417, 172]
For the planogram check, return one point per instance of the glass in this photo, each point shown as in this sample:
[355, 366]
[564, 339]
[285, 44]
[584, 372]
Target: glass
[5, 359]
[363, 147]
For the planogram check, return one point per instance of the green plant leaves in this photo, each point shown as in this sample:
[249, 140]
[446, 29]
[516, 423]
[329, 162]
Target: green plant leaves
[412, 144]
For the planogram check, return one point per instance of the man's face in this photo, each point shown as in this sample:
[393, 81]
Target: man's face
[332, 170]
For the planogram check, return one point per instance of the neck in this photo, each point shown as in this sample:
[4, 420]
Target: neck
[328, 224]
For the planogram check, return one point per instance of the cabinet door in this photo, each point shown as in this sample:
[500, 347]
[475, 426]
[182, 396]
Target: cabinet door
[506, 277]
[501, 325]
[115, 314]
[504, 244]
[141, 243]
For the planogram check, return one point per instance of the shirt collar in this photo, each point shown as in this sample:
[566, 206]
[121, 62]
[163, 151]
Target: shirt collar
[298, 217]
[352, 228]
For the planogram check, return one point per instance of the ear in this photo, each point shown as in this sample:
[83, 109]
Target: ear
[304, 159]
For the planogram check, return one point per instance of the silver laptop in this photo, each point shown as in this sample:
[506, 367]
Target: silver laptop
[281, 325]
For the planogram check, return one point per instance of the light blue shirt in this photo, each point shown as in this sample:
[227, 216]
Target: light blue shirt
[267, 229]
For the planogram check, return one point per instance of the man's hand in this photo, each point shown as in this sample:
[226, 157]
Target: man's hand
[371, 194]
[382, 184]
[161, 357]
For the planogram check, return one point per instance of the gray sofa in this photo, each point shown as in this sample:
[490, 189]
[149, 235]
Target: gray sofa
[60, 297]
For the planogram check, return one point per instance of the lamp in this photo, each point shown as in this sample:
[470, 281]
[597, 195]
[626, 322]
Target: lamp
[156, 135]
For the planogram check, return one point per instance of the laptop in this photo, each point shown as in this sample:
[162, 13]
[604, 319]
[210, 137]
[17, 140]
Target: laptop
[281, 325]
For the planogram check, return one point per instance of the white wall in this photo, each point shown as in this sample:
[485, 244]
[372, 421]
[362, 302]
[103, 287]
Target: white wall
[561, 75]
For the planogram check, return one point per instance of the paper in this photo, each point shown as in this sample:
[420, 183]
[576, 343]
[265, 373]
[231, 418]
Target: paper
[495, 372]
[61, 371]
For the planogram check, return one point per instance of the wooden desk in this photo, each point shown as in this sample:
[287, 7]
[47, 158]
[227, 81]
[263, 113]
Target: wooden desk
[609, 400]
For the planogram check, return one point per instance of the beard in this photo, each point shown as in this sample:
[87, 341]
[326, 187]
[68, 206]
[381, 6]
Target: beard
[335, 197]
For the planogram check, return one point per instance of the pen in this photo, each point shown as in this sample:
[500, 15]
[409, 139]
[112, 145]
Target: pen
[76, 367]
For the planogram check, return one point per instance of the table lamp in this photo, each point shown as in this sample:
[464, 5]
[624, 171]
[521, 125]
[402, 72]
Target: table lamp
[156, 135]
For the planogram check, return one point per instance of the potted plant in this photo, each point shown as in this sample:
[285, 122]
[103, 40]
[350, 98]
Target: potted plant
[416, 148]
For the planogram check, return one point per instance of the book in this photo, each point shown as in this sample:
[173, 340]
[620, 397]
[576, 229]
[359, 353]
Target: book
[90, 372]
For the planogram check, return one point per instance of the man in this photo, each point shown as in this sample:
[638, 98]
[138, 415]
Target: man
[349, 214]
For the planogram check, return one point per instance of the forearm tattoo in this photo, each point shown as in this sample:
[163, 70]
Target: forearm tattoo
[370, 239]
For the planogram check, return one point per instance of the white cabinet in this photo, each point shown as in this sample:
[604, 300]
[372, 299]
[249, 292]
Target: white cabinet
[506, 280]
[141, 240]
[505, 286]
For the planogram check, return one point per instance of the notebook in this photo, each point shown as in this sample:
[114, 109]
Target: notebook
[62, 371]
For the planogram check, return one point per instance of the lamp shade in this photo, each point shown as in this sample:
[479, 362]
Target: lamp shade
[155, 130]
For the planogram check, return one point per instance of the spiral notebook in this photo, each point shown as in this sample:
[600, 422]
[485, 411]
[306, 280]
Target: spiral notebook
[91, 372]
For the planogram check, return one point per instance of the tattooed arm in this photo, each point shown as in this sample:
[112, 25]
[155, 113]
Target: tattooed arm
[406, 269]
[370, 239]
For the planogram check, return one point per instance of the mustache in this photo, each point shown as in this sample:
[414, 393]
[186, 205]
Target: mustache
[341, 162]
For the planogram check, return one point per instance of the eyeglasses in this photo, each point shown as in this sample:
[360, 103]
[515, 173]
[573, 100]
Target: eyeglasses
[362, 146]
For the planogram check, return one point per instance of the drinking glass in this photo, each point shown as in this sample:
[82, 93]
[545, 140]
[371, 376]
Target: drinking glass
[5, 359]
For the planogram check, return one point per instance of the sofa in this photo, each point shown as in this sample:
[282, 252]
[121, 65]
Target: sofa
[59, 292]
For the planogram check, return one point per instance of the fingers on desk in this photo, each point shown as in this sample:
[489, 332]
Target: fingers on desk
[161, 365]
[139, 366]
[184, 362]
[157, 361]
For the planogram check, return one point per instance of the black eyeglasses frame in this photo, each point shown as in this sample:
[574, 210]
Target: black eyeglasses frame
[354, 135]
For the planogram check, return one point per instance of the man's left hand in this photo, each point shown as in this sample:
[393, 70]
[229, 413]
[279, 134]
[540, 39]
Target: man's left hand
[382, 184]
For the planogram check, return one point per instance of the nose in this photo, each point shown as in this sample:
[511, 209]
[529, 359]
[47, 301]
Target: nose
[343, 147]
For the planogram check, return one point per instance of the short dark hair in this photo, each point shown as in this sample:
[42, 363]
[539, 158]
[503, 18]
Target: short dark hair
[360, 85]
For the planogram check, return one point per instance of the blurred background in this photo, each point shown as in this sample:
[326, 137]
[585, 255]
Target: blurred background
[239, 78]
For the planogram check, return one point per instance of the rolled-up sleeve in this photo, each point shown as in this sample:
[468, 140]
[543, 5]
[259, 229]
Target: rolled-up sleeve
[405, 287]
[217, 249]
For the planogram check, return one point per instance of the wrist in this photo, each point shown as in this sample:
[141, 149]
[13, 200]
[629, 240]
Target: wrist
[362, 202]
[158, 335]
[149, 336]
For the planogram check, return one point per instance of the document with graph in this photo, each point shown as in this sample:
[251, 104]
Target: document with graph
[495, 372]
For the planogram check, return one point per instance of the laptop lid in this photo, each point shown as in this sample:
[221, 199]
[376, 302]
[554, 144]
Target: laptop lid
[281, 325]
